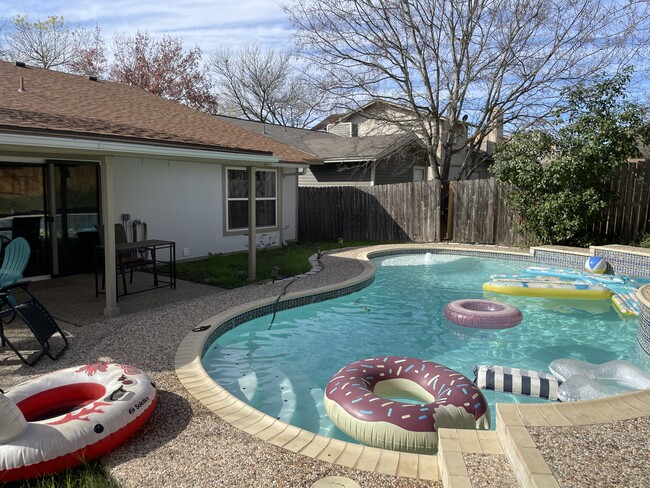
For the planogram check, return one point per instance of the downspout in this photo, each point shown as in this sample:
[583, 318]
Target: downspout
[301, 172]
[298, 173]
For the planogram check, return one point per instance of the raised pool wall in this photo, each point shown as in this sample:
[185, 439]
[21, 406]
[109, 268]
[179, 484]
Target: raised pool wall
[634, 261]
[643, 332]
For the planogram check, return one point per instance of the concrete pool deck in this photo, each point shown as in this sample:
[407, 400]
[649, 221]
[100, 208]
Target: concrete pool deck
[186, 444]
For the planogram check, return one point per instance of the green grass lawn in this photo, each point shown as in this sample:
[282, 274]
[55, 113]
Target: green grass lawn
[91, 475]
[231, 270]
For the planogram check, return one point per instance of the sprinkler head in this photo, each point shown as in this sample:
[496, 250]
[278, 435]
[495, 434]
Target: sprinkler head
[275, 273]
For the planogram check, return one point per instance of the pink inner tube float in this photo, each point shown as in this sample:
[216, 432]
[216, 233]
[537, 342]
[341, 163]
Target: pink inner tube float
[358, 401]
[482, 314]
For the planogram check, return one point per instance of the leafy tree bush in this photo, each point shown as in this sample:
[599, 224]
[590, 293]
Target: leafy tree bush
[561, 178]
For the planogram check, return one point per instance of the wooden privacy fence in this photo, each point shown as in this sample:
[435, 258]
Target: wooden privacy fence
[628, 217]
[478, 214]
[403, 212]
[476, 209]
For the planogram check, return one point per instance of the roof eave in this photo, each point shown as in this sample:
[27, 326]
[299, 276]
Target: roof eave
[351, 160]
[102, 147]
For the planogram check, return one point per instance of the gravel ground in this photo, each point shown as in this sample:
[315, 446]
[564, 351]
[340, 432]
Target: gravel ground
[489, 471]
[183, 444]
[604, 455]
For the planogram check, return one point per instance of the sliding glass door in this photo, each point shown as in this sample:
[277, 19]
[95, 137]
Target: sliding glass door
[75, 198]
[23, 212]
[55, 207]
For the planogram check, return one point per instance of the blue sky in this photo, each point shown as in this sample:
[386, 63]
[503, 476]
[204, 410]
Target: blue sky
[207, 23]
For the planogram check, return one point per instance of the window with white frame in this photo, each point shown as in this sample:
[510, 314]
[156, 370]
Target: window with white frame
[419, 173]
[266, 199]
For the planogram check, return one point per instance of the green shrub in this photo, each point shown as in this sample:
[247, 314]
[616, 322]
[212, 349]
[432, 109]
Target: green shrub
[645, 241]
[560, 179]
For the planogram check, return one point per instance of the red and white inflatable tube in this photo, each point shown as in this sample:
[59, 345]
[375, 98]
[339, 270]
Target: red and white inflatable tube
[63, 418]
[482, 314]
[358, 401]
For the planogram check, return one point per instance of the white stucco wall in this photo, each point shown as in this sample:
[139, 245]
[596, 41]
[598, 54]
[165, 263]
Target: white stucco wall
[183, 202]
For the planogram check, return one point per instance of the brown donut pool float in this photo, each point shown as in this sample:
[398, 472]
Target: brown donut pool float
[358, 401]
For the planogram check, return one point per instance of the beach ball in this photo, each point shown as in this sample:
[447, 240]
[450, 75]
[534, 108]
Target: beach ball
[596, 265]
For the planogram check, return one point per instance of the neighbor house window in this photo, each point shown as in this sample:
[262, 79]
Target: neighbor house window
[418, 173]
[266, 198]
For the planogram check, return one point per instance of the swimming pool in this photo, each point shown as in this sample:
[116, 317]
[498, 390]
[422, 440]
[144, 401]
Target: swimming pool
[281, 368]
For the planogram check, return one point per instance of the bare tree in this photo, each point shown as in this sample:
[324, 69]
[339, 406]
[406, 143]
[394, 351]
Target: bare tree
[466, 63]
[4, 26]
[266, 86]
[51, 43]
[91, 57]
[164, 68]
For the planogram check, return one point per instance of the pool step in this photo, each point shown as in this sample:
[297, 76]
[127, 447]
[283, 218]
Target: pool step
[472, 459]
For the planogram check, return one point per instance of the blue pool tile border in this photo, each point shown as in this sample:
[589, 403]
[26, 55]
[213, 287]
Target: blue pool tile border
[560, 259]
[256, 313]
[626, 263]
[456, 252]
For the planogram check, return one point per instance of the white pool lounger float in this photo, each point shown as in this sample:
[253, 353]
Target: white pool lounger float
[587, 381]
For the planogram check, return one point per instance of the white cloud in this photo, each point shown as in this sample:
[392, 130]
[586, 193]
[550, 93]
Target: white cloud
[208, 24]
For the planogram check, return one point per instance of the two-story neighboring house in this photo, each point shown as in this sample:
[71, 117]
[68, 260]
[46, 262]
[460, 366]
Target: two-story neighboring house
[381, 118]
[374, 145]
[369, 160]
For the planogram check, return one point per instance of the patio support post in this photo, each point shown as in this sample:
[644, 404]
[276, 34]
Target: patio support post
[252, 224]
[108, 199]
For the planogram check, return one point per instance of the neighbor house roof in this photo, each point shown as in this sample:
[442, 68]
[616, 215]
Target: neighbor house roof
[46, 102]
[378, 102]
[324, 145]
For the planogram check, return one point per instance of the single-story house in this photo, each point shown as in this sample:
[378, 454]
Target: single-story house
[368, 160]
[77, 153]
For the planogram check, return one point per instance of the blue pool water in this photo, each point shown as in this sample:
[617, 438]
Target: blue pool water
[282, 368]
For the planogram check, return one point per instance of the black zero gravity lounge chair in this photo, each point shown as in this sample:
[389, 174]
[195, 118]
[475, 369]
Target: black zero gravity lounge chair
[37, 319]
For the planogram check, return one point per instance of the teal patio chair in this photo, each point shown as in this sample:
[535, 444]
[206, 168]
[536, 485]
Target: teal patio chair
[15, 261]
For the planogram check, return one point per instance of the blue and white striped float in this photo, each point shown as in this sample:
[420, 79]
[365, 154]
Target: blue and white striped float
[516, 380]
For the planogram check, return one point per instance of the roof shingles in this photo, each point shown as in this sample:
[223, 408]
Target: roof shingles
[325, 145]
[76, 106]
